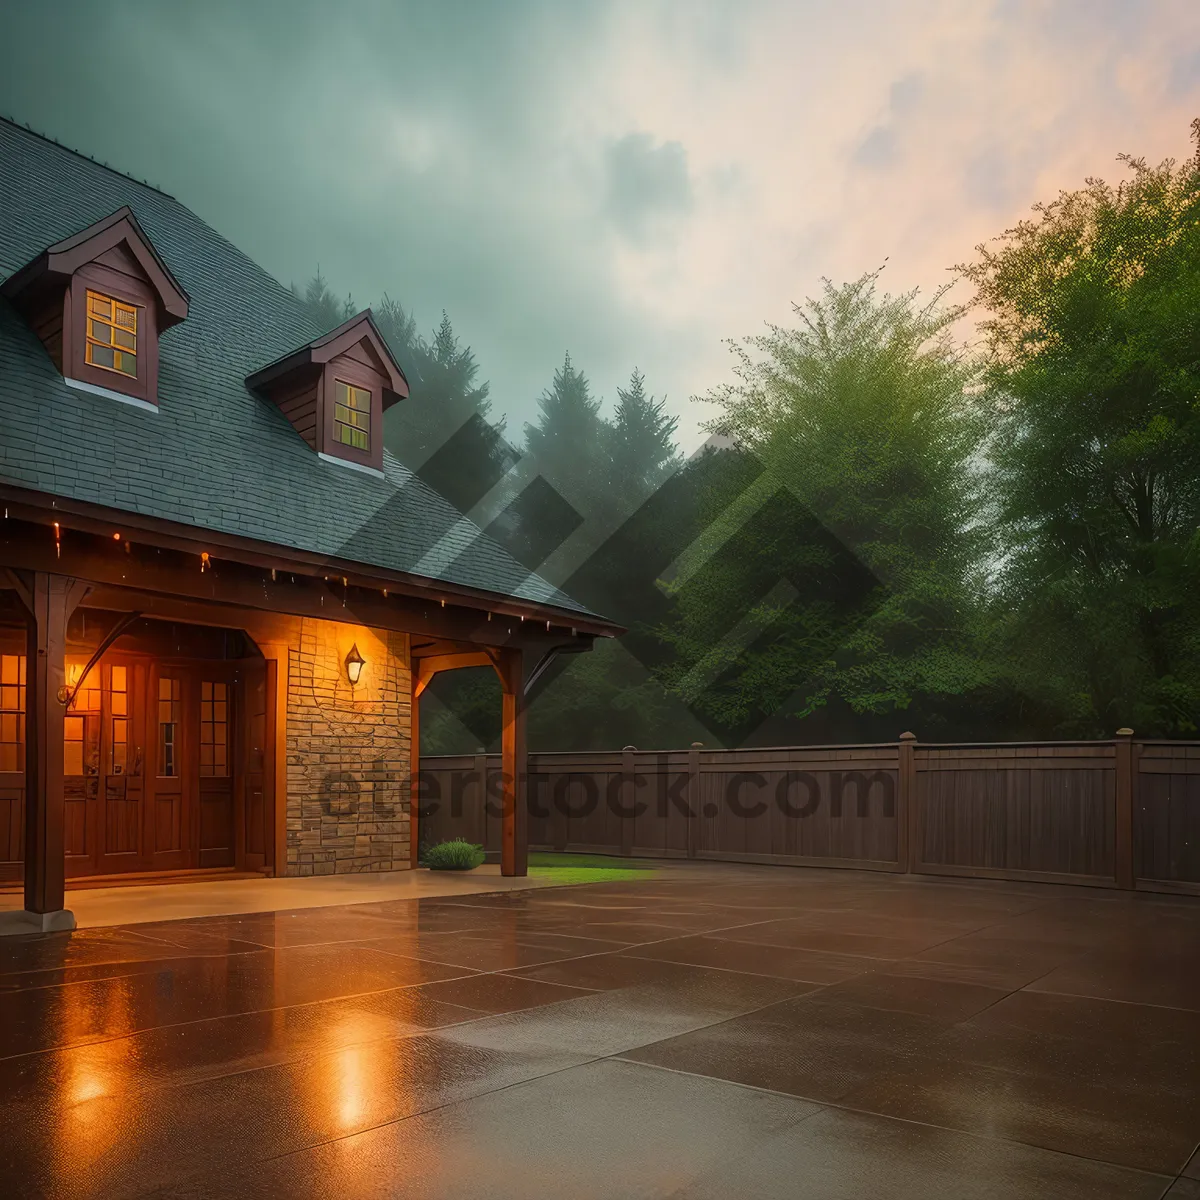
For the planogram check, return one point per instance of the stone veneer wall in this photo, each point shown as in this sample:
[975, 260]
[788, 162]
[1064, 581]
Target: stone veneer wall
[347, 752]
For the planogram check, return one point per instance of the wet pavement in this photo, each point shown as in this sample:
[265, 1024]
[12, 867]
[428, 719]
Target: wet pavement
[712, 1032]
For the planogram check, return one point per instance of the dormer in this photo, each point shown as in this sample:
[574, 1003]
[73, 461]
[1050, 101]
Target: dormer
[335, 391]
[98, 301]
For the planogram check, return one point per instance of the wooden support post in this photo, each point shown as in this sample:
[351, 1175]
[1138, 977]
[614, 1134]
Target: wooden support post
[49, 600]
[514, 846]
[414, 770]
[1123, 849]
[908, 824]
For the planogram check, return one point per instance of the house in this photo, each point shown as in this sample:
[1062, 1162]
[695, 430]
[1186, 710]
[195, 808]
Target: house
[220, 595]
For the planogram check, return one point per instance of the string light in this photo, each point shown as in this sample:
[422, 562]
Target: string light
[203, 561]
[57, 540]
[272, 574]
[116, 537]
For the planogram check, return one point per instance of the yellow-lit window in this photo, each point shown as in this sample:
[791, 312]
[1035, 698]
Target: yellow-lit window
[111, 334]
[81, 750]
[168, 727]
[12, 712]
[352, 415]
[118, 699]
[214, 729]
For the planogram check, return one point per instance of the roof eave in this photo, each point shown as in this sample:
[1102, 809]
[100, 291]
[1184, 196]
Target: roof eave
[100, 519]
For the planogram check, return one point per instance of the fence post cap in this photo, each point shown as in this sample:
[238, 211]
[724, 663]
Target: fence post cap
[908, 737]
[697, 745]
[1124, 732]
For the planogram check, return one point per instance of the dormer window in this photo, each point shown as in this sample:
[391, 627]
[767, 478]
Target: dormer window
[111, 334]
[351, 415]
[98, 301]
[335, 391]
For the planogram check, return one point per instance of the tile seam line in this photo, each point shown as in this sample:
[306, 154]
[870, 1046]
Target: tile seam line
[431, 1031]
[866, 1112]
[101, 1041]
[255, 1162]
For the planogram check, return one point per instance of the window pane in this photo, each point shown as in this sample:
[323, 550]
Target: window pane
[214, 729]
[100, 306]
[122, 337]
[102, 333]
[120, 745]
[126, 363]
[340, 393]
[168, 727]
[100, 356]
[125, 317]
[73, 746]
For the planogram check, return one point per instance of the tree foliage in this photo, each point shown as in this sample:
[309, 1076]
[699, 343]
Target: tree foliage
[861, 416]
[891, 529]
[1094, 376]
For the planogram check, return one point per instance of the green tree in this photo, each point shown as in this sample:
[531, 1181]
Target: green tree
[641, 442]
[445, 393]
[325, 308]
[399, 329]
[1094, 377]
[567, 443]
[868, 507]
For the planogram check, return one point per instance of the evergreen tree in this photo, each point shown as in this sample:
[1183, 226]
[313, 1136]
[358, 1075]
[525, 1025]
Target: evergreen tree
[324, 307]
[445, 394]
[568, 441]
[642, 441]
[399, 329]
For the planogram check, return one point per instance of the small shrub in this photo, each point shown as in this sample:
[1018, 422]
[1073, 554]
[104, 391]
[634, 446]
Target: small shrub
[456, 855]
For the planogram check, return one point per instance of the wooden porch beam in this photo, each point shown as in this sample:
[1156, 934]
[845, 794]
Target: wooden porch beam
[37, 511]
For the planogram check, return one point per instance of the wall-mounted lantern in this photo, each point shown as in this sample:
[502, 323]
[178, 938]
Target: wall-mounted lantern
[354, 665]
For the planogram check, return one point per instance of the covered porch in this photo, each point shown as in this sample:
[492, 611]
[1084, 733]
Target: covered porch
[179, 707]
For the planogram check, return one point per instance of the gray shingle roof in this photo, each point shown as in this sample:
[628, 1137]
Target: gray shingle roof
[215, 456]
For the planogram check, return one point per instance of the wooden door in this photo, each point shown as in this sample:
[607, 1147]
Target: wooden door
[120, 784]
[104, 746]
[12, 763]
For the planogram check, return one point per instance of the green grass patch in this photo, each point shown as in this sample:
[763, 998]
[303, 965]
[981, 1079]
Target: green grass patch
[584, 868]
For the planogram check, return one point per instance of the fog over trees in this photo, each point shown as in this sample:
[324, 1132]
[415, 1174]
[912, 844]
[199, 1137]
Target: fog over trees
[889, 528]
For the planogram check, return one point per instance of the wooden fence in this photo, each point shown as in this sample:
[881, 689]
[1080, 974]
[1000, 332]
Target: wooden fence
[1120, 813]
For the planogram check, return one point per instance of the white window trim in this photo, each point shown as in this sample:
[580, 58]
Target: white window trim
[80, 386]
[345, 462]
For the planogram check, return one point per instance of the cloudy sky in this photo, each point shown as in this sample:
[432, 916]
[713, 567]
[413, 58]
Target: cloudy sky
[629, 182]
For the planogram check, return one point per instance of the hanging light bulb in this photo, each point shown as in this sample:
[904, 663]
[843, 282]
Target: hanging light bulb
[57, 540]
[203, 561]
